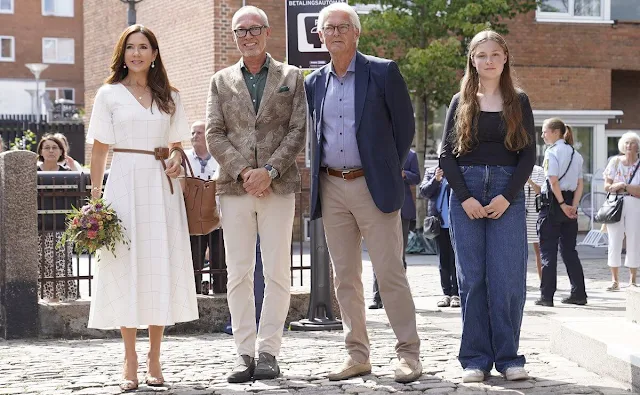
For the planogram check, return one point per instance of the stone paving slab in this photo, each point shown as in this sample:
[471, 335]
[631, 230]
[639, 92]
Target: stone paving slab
[195, 365]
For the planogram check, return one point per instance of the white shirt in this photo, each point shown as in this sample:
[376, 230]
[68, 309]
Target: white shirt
[206, 173]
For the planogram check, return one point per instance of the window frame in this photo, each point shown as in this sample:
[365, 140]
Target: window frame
[13, 49]
[58, 92]
[57, 59]
[55, 12]
[10, 11]
[569, 17]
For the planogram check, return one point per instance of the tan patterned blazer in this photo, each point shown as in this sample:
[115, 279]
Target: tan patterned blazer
[237, 137]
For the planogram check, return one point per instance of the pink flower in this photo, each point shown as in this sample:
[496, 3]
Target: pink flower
[92, 234]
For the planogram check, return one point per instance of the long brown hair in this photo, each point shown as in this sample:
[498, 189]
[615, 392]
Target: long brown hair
[468, 111]
[557, 124]
[157, 79]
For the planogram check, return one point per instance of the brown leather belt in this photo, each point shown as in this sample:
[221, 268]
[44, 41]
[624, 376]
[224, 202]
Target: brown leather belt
[160, 154]
[344, 174]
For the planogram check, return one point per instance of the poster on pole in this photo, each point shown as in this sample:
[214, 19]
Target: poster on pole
[304, 48]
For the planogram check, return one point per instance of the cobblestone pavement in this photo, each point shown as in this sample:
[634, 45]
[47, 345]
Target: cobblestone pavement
[198, 364]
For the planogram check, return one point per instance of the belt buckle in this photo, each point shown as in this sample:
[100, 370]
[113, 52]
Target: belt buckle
[345, 172]
[161, 153]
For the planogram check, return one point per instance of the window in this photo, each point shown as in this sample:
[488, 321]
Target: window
[6, 6]
[58, 50]
[57, 8]
[61, 93]
[625, 10]
[574, 11]
[7, 49]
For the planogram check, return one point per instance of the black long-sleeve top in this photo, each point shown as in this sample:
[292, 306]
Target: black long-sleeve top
[489, 150]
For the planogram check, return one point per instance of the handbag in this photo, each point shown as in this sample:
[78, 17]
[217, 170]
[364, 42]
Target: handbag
[433, 223]
[611, 210]
[199, 200]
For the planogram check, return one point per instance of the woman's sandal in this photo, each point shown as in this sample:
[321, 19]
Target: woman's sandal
[128, 385]
[153, 381]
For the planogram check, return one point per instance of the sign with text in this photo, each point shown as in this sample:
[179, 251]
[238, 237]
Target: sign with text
[304, 48]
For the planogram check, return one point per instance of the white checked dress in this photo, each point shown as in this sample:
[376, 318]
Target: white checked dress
[537, 176]
[152, 281]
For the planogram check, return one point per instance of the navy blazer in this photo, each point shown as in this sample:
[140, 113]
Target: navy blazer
[412, 173]
[384, 128]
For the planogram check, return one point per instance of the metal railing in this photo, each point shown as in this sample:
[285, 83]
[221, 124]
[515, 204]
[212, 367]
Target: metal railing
[65, 275]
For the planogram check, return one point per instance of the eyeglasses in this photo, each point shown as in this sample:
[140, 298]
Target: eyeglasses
[51, 148]
[254, 30]
[330, 29]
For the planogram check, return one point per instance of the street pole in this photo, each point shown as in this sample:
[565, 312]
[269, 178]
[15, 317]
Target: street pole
[37, 69]
[131, 13]
[38, 99]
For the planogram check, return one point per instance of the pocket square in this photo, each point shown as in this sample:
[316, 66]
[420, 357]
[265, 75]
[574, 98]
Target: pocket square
[283, 88]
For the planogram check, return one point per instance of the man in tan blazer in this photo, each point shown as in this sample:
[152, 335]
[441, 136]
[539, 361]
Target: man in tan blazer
[256, 119]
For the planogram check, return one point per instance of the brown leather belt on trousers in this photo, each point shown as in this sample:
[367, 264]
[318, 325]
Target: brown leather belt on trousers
[160, 154]
[344, 174]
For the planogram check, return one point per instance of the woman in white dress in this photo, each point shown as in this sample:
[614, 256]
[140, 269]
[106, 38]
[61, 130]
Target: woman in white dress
[151, 281]
[531, 189]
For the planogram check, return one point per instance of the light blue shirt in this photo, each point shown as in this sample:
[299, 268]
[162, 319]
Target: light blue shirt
[339, 145]
[556, 161]
[443, 201]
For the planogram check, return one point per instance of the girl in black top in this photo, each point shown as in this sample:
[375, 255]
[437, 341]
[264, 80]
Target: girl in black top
[488, 154]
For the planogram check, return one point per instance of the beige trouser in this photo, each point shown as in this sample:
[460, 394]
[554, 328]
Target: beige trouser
[242, 218]
[348, 214]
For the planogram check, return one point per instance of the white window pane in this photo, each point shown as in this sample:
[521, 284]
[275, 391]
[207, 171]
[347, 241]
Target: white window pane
[5, 5]
[65, 50]
[5, 48]
[49, 50]
[64, 7]
[561, 6]
[49, 7]
[587, 8]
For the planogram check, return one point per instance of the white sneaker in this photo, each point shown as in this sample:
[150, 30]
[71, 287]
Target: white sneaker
[516, 373]
[473, 376]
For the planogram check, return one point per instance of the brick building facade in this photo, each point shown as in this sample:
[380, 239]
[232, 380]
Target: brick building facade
[586, 71]
[39, 31]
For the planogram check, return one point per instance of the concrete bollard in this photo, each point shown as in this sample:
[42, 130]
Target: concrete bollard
[18, 245]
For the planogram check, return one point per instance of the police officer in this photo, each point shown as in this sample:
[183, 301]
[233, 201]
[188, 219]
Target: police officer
[558, 217]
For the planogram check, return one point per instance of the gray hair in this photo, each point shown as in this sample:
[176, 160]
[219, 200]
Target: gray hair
[626, 137]
[249, 9]
[342, 7]
[196, 124]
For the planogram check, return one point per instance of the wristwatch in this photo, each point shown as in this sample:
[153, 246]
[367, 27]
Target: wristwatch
[273, 173]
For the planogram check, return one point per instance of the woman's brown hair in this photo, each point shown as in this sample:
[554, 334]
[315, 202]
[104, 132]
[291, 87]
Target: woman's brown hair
[468, 111]
[157, 79]
[51, 137]
[557, 124]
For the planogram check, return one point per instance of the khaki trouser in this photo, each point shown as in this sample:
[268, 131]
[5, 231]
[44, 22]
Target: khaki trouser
[242, 218]
[349, 214]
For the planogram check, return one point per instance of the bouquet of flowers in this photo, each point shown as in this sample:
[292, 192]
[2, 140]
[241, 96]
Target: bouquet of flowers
[94, 226]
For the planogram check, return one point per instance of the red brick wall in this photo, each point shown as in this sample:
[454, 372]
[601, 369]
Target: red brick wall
[28, 26]
[564, 44]
[552, 88]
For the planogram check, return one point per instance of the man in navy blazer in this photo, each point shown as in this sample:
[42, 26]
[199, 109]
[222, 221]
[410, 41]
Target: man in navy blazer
[362, 126]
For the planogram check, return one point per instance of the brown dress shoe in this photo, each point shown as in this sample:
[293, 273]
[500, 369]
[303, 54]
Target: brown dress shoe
[349, 369]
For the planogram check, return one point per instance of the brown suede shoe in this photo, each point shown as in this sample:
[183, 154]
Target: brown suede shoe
[408, 370]
[350, 368]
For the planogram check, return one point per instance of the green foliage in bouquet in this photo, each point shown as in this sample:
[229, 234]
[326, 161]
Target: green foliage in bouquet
[25, 142]
[92, 227]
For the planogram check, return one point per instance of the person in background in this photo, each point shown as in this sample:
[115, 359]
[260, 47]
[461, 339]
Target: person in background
[51, 258]
[558, 219]
[621, 176]
[68, 161]
[205, 168]
[531, 189]
[435, 187]
[411, 176]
